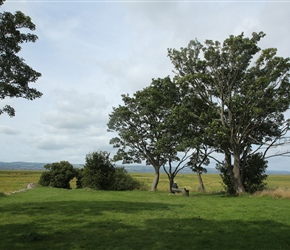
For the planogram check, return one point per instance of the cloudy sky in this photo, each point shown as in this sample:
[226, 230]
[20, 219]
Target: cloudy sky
[91, 52]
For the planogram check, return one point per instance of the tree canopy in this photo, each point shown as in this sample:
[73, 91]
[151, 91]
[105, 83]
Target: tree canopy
[246, 87]
[15, 74]
[155, 126]
[227, 97]
[143, 127]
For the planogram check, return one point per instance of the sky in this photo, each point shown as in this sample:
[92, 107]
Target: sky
[91, 52]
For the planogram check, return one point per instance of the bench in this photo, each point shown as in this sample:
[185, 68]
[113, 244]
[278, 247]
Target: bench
[180, 190]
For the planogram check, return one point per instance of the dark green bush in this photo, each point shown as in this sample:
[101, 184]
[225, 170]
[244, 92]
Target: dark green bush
[253, 174]
[124, 181]
[98, 171]
[100, 174]
[45, 179]
[59, 175]
[79, 175]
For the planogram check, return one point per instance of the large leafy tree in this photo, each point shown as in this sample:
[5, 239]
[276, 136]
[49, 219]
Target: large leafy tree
[145, 128]
[15, 74]
[247, 88]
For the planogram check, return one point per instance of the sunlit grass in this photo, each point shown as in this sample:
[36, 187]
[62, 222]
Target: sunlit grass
[50, 218]
[12, 180]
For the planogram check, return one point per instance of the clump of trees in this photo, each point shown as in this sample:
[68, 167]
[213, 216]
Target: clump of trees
[98, 173]
[59, 175]
[227, 98]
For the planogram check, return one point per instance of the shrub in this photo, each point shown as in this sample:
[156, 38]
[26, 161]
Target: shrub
[79, 175]
[253, 174]
[45, 179]
[124, 181]
[98, 171]
[59, 175]
[100, 174]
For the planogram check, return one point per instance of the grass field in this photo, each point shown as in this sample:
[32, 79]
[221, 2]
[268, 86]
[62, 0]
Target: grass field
[11, 180]
[49, 218]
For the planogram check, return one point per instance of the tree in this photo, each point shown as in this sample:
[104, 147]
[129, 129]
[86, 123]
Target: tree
[159, 125]
[59, 175]
[143, 126]
[100, 174]
[15, 74]
[98, 171]
[248, 96]
[200, 158]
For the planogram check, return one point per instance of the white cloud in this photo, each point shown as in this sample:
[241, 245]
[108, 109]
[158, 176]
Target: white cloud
[91, 53]
[8, 130]
[74, 110]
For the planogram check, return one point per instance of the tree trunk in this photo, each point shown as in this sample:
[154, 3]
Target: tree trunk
[201, 185]
[156, 179]
[229, 165]
[171, 181]
[238, 184]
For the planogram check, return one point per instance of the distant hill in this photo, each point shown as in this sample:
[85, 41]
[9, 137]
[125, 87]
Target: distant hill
[132, 168]
[19, 165]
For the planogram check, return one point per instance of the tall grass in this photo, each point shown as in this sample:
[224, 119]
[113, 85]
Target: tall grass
[18, 179]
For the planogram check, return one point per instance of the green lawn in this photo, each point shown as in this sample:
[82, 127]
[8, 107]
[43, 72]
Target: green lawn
[48, 218]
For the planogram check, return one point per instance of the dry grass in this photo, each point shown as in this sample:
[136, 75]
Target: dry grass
[276, 193]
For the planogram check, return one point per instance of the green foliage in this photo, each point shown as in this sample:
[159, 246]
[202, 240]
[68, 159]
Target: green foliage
[98, 171]
[79, 175]
[100, 174]
[252, 172]
[246, 90]
[15, 74]
[45, 179]
[123, 181]
[59, 175]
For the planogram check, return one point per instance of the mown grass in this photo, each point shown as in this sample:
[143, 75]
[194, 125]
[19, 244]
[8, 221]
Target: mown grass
[49, 218]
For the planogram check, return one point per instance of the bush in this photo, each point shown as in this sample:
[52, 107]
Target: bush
[79, 175]
[45, 179]
[100, 174]
[59, 175]
[124, 181]
[98, 171]
[253, 174]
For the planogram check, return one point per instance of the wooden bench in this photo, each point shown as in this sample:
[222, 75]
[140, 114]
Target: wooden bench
[180, 190]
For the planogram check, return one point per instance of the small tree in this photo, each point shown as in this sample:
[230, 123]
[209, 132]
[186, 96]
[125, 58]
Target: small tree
[98, 171]
[200, 158]
[59, 175]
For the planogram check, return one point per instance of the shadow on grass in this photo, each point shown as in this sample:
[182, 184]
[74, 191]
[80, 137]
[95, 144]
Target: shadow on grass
[130, 225]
